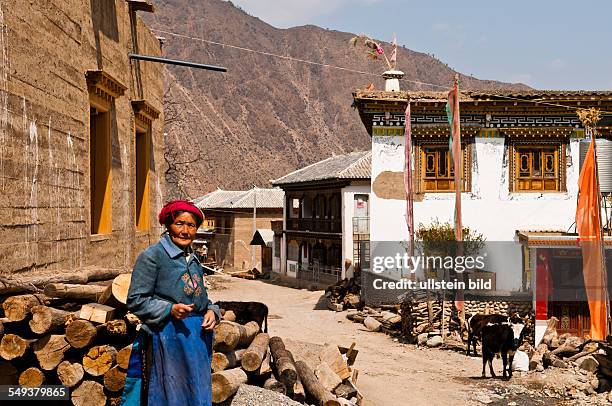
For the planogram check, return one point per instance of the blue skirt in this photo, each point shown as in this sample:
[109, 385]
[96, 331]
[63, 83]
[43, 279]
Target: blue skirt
[171, 367]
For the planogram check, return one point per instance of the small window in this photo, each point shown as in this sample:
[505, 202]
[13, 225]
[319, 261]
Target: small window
[537, 168]
[436, 168]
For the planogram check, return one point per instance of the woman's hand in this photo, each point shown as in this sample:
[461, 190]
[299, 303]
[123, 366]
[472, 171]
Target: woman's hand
[181, 310]
[209, 320]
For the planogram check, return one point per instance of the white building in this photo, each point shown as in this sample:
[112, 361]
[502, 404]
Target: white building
[326, 218]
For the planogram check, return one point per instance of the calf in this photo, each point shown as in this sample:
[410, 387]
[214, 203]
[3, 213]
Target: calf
[477, 322]
[502, 338]
[248, 311]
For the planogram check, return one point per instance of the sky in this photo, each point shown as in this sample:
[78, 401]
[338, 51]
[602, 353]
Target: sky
[543, 43]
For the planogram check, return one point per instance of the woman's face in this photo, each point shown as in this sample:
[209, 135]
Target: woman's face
[183, 230]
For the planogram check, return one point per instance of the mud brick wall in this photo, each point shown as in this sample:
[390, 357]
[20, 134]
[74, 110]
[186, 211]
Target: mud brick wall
[46, 49]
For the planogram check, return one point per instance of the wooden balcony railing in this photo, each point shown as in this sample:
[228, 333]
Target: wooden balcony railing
[317, 225]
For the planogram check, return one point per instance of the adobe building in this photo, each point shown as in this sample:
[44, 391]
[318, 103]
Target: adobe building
[81, 135]
[229, 216]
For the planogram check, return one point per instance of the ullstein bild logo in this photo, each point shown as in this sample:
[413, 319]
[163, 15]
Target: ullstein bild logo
[409, 263]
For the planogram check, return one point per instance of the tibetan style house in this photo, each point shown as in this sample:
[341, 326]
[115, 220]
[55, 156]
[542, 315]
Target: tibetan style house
[521, 158]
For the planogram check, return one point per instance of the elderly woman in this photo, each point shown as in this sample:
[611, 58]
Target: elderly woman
[170, 361]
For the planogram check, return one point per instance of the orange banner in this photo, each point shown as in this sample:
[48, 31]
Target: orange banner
[588, 224]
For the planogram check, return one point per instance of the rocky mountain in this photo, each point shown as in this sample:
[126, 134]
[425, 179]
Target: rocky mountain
[266, 116]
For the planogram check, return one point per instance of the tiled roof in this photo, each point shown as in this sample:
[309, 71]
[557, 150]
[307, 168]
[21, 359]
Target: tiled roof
[355, 165]
[242, 199]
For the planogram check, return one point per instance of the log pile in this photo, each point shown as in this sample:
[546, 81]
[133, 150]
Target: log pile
[244, 355]
[67, 334]
[386, 319]
[344, 294]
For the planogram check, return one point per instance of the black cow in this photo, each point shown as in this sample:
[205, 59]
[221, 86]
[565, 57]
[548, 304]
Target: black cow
[248, 311]
[476, 323]
[502, 338]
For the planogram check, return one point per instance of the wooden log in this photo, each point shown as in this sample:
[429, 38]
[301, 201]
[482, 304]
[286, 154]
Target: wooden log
[13, 346]
[80, 333]
[345, 391]
[8, 373]
[50, 350]
[372, 324]
[551, 331]
[123, 357]
[47, 319]
[550, 359]
[97, 313]
[116, 327]
[114, 379]
[248, 334]
[32, 281]
[272, 384]
[73, 291]
[227, 336]
[99, 359]
[229, 315]
[536, 358]
[254, 355]
[226, 383]
[89, 393]
[17, 308]
[569, 347]
[120, 287]
[276, 344]
[266, 367]
[283, 361]
[327, 377]
[314, 387]
[230, 335]
[31, 377]
[70, 373]
[298, 394]
[330, 354]
[222, 361]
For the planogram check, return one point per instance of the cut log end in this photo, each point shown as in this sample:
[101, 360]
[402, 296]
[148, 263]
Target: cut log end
[89, 393]
[31, 377]
[99, 359]
[70, 373]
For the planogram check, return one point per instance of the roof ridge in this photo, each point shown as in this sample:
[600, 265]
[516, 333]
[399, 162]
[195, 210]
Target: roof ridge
[365, 155]
[304, 168]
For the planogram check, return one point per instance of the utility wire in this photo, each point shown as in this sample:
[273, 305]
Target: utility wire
[294, 59]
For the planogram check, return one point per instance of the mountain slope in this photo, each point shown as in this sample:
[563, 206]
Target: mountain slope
[266, 116]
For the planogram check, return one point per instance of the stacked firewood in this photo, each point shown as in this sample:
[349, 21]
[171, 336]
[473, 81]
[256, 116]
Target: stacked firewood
[243, 354]
[564, 350]
[344, 294]
[77, 335]
[428, 313]
[385, 318]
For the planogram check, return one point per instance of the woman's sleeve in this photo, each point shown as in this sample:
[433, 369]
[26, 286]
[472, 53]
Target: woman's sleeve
[140, 300]
[215, 309]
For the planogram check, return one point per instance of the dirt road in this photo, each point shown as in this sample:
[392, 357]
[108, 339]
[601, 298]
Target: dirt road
[390, 373]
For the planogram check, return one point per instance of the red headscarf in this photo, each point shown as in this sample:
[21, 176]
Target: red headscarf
[179, 205]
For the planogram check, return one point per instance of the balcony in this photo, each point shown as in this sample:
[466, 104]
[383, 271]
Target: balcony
[314, 225]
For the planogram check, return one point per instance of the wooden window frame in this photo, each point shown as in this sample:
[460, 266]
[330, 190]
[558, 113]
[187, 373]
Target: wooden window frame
[100, 167]
[142, 158]
[420, 154]
[520, 149]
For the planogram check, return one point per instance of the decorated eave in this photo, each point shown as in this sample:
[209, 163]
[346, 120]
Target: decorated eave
[553, 239]
[534, 113]
[144, 113]
[104, 85]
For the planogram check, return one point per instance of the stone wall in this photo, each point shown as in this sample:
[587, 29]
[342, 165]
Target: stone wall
[46, 49]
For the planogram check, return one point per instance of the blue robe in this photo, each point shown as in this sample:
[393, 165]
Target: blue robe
[170, 360]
